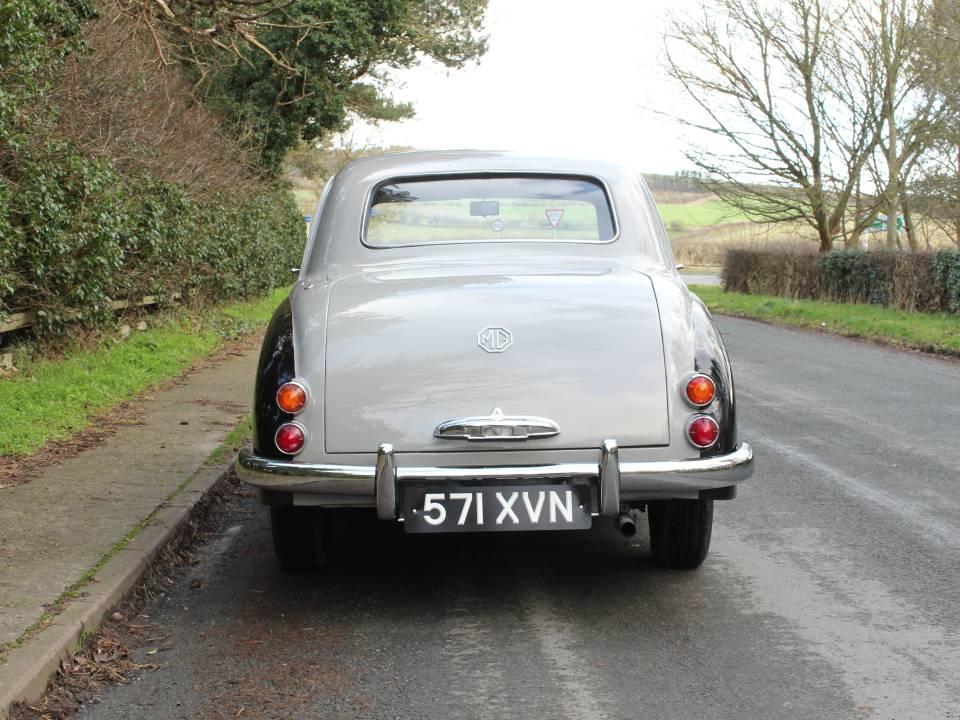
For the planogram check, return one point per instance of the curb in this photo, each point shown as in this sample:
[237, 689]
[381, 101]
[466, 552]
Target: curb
[28, 670]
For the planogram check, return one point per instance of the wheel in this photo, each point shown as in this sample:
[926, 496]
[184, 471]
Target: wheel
[680, 531]
[301, 537]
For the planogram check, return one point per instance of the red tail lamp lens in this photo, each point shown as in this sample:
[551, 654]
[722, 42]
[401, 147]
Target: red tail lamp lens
[703, 431]
[289, 438]
[291, 397]
[700, 390]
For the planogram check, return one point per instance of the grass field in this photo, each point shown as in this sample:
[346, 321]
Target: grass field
[932, 332]
[700, 214]
[52, 399]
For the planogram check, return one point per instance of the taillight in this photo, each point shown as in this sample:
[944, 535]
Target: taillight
[703, 431]
[290, 438]
[699, 390]
[291, 397]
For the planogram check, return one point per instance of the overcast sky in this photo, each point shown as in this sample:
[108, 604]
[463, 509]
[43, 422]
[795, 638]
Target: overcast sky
[560, 76]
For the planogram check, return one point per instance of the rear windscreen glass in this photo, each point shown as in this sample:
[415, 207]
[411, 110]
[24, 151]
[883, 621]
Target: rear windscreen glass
[537, 208]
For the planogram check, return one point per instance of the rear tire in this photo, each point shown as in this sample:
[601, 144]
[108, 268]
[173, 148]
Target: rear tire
[301, 537]
[680, 532]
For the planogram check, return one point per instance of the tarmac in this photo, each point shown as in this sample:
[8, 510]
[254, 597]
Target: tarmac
[141, 480]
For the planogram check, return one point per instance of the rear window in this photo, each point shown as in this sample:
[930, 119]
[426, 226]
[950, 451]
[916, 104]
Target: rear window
[488, 209]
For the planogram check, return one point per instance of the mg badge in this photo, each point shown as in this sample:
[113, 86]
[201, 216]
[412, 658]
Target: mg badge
[495, 339]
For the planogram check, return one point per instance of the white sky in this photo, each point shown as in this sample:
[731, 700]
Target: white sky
[569, 77]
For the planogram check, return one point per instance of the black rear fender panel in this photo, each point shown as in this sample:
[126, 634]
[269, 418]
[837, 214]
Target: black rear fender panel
[710, 358]
[274, 369]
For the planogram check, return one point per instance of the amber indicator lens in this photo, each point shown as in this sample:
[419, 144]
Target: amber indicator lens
[291, 397]
[703, 431]
[700, 390]
[289, 439]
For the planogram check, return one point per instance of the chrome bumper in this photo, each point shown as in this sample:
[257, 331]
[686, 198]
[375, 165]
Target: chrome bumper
[376, 486]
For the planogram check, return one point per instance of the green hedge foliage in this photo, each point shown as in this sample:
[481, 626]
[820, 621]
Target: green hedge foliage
[910, 281]
[76, 234]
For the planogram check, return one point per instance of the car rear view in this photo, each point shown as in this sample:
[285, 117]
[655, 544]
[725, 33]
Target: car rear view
[485, 342]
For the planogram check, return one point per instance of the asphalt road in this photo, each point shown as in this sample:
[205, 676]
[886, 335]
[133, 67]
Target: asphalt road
[701, 277]
[832, 589]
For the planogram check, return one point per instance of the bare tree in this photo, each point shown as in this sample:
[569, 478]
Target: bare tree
[791, 127]
[938, 187]
[912, 115]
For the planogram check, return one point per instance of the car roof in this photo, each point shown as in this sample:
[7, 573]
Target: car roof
[425, 162]
[342, 217]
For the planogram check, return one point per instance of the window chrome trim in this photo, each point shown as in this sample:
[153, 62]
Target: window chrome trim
[455, 174]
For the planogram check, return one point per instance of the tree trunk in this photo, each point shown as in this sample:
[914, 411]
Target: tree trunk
[826, 242]
[893, 188]
[956, 220]
[892, 191]
[823, 223]
[854, 237]
[909, 227]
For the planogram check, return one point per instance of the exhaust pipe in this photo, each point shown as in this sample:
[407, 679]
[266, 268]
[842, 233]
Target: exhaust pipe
[626, 525]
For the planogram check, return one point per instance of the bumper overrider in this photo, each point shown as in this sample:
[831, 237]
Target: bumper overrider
[616, 482]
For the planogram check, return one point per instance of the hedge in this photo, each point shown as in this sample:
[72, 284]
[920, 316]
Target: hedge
[909, 281]
[77, 232]
[76, 235]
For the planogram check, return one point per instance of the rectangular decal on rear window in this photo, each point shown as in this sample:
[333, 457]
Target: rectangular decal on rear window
[510, 208]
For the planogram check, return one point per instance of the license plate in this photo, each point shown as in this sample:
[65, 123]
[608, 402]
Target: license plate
[498, 508]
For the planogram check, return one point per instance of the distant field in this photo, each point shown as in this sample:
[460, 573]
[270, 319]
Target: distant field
[702, 231]
[696, 215]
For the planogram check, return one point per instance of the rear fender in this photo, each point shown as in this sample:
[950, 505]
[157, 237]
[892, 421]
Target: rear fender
[275, 367]
[692, 343]
[710, 358]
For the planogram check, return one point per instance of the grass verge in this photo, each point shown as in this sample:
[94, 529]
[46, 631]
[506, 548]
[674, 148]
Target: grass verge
[930, 332]
[53, 399]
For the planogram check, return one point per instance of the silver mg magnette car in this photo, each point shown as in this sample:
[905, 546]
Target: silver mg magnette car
[482, 341]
